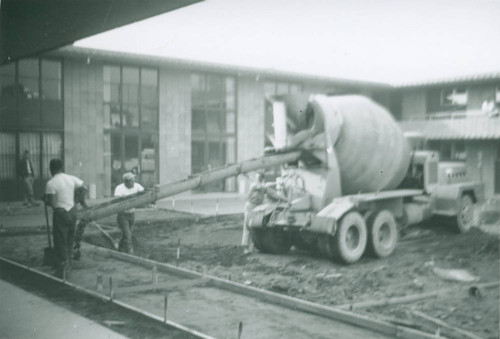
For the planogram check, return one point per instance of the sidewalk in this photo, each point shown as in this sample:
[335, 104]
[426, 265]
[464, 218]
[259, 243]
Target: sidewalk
[24, 315]
[15, 215]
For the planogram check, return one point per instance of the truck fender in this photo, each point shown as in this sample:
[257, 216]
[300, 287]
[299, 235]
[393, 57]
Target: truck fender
[326, 220]
[447, 197]
[256, 218]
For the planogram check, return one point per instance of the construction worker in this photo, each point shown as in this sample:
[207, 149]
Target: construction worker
[26, 173]
[125, 219]
[59, 194]
[255, 198]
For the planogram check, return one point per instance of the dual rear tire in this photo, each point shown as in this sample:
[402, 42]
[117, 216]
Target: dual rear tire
[377, 235]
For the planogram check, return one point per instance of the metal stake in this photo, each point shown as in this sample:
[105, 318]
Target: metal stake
[240, 329]
[165, 309]
[173, 203]
[154, 275]
[216, 208]
[178, 252]
[111, 292]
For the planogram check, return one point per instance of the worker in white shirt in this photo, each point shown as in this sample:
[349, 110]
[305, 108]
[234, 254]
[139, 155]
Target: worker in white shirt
[59, 194]
[125, 219]
[489, 107]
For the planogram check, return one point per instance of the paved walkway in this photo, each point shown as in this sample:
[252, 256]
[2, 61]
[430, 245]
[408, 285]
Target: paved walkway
[15, 215]
[24, 315]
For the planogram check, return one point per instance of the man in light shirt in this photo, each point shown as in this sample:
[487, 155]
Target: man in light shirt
[126, 219]
[59, 194]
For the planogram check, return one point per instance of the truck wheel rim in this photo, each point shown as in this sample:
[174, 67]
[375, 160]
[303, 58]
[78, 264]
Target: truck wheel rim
[466, 213]
[352, 237]
[384, 235]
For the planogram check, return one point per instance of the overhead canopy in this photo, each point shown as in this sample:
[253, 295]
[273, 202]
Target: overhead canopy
[35, 26]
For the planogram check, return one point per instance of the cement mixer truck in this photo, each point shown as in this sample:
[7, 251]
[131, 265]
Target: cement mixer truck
[357, 181]
[350, 178]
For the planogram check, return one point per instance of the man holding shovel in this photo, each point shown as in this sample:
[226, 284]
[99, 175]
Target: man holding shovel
[125, 219]
[59, 194]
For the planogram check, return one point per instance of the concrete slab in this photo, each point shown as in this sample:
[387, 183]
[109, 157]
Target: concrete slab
[205, 204]
[24, 315]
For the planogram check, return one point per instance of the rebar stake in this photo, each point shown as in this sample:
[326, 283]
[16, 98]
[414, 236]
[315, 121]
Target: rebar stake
[240, 329]
[216, 208]
[165, 309]
[178, 252]
[99, 282]
[111, 292]
[154, 275]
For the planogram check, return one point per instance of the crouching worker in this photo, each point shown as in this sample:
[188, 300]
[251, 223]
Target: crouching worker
[125, 219]
[258, 191]
[255, 198]
[59, 194]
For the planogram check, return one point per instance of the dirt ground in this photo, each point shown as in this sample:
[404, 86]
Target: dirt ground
[421, 252]
[410, 270]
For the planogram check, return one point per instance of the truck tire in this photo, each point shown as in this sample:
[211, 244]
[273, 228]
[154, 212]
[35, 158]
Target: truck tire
[350, 239]
[271, 240]
[382, 234]
[465, 214]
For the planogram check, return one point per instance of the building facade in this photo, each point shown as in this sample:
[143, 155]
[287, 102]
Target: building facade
[449, 115]
[107, 113]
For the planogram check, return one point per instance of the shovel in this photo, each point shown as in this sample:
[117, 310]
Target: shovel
[48, 252]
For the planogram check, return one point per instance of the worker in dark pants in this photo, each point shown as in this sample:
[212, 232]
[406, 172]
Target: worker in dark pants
[27, 175]
[126, 219]
[59, 194]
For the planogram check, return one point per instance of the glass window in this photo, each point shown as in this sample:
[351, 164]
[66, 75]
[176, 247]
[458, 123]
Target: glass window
[8, 91]
[7, 156]
[51, 69]
[213, 122]
[230, 122]
[111, 78]
[148, 161]
[149, 98]
[454, 97]
[214, 91]
[131, 154]
[197, 90]
[198, 120]
[28, 78]
[197, 156]
[230, 94]
[458, 151]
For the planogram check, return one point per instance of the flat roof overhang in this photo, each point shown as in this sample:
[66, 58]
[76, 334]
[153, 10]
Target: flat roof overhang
[30, 27]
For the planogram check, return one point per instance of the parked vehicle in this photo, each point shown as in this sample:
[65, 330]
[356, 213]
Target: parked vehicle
[357, 181]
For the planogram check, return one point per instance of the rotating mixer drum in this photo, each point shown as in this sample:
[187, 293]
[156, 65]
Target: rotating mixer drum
[371, 150]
